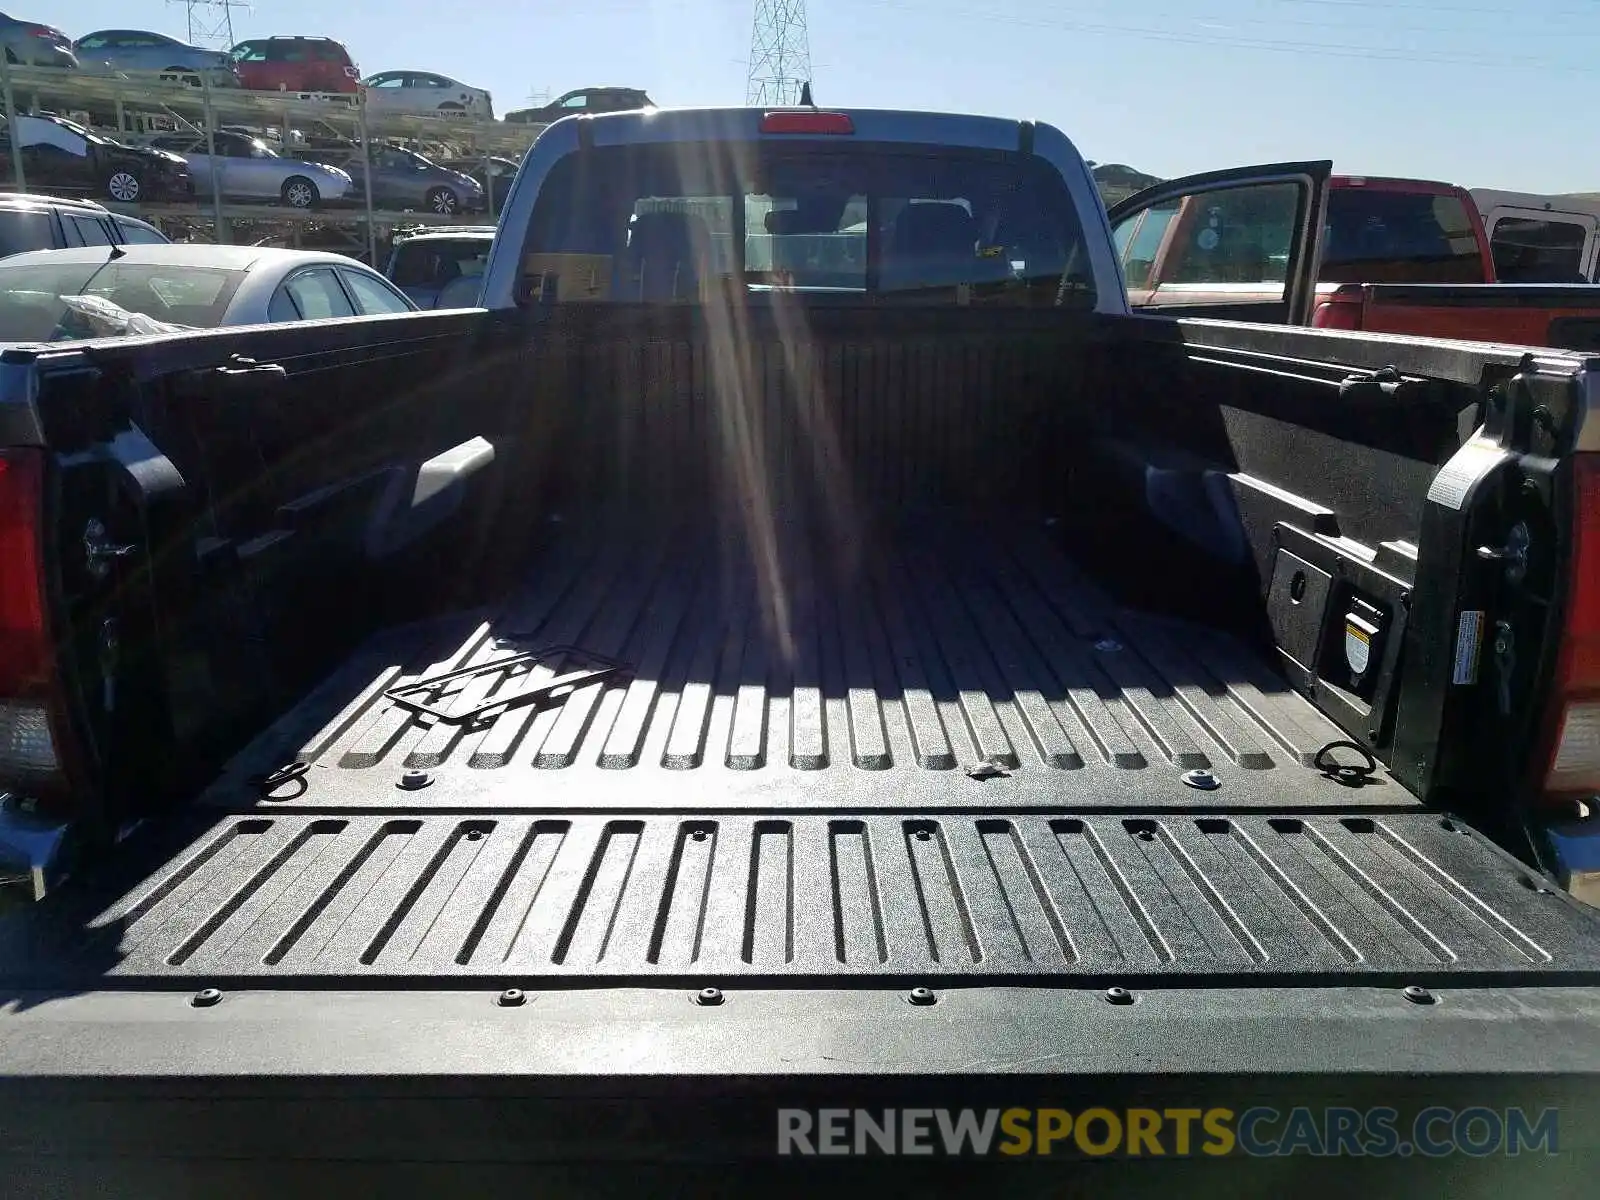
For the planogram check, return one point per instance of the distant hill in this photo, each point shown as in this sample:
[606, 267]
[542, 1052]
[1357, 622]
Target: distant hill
[1118, 182]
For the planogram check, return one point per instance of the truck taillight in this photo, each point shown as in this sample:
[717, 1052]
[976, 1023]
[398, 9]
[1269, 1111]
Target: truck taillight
[1574, 762]
[29, 754]
[1337, 312]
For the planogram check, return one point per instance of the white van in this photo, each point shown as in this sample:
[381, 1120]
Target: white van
[1541, 239]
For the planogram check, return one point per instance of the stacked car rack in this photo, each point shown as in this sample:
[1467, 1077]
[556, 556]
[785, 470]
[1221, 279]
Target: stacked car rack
[128, 104]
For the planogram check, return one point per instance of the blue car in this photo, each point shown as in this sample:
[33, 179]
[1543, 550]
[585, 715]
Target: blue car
[140, 50]
[34, 44]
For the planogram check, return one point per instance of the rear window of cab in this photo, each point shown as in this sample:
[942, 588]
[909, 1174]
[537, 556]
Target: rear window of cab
[1376, 236]
[676, 223]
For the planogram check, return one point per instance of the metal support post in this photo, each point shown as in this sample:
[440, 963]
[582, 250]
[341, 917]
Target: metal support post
[366, 180]
[211, 154]
[11, 125]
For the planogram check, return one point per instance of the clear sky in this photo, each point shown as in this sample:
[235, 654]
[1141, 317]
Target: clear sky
[1479, 93]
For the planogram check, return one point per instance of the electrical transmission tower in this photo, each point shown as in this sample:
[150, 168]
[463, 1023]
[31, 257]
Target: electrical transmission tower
[780, 53]
[211, 21]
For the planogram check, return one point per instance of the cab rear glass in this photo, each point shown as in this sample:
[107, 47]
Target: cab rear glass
[677, 223]
[1377, 236]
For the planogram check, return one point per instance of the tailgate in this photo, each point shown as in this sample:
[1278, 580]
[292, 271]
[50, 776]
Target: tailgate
[486, 900]
[634, 1004]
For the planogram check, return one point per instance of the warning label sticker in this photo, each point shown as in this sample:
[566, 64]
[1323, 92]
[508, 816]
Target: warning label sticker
[1469, 642]
[1471, 463]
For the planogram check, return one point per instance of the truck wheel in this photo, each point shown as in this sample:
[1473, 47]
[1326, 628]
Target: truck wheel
[123, 186]
[181, 75]
[444, 202]
[300, 192]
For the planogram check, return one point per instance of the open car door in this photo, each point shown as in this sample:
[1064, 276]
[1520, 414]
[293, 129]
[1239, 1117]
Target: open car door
[1241, 244]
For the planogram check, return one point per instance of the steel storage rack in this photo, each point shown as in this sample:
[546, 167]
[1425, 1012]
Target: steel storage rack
[130, 104]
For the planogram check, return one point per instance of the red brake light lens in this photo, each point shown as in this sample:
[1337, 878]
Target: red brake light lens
[24, 642]
[1337, 312]
[1574, 763]
[1582, 663]
[805, 121]
[30, 749]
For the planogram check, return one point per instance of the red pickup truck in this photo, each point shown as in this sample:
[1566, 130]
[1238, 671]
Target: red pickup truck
[1392, 256]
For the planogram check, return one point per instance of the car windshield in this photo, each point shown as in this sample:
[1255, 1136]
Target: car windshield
[87, 134]
[433, 262]
[653, 223]
[33, 308]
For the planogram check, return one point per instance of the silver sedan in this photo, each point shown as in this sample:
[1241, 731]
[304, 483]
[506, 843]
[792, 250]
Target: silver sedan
[85, 292]
[424, 93]
[247, 168]
[141, 50]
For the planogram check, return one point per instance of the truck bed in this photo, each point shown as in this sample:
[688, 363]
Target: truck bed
[782, 789]
[868, 677]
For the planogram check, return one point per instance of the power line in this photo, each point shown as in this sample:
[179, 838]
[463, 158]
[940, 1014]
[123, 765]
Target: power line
[1334, 50]
[1231, 20]
[1392, 5]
